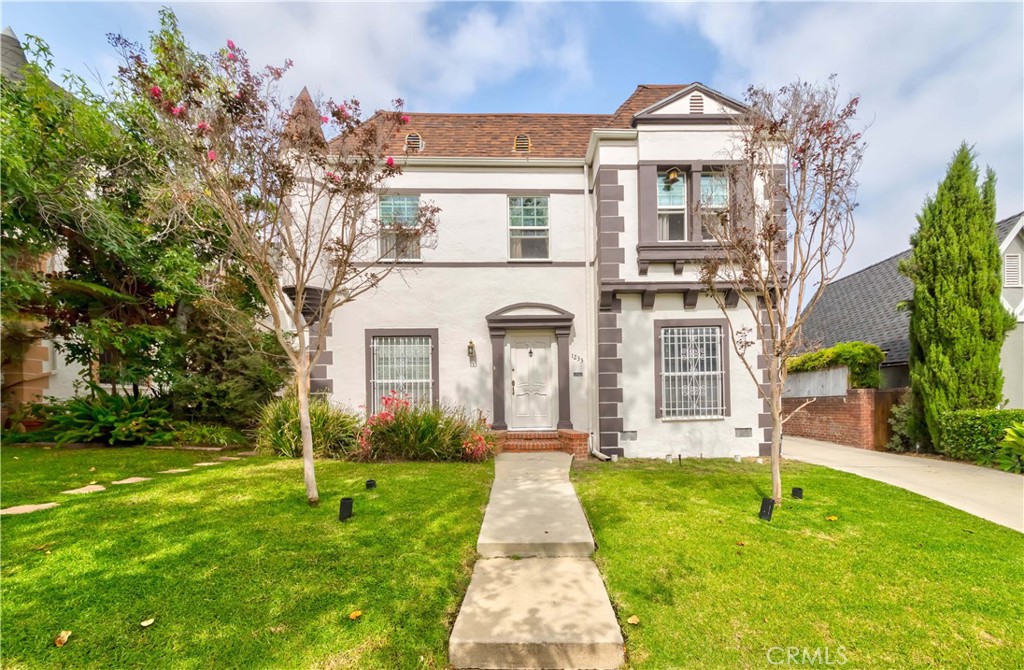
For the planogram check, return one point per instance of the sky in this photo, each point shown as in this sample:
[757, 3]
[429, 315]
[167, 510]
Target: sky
[929, 76]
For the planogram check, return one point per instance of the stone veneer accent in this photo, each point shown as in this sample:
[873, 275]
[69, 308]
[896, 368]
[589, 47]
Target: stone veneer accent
[319, 382]
[611, 257]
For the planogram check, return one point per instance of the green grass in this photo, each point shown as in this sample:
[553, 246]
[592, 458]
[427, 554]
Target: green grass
[897, 581]
[236, 568]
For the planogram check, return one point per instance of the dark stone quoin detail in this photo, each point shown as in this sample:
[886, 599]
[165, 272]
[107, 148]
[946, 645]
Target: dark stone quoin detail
[611, 257]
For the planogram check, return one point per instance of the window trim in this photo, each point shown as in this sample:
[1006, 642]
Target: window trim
[432, 333]
[510, 228]
[661, 324]
[684, 176]
[380, 234]
[1020, 271]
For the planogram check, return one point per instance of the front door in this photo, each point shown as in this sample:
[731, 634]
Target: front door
[532, 389]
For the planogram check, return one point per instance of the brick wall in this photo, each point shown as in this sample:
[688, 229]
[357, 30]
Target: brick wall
[570, 441]
[857, 420]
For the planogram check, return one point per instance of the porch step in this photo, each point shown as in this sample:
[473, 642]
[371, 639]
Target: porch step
[532, 441]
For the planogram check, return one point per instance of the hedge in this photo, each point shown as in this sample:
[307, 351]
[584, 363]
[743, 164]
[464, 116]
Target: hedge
[974, 434]
[861, 358]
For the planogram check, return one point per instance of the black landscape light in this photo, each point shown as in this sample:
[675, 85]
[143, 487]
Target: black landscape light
[371, 484]
[767, 507]
[798, 493]
[345, 512]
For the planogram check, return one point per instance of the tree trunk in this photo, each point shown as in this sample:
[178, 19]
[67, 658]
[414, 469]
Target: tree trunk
[775, 393]
[306, 428]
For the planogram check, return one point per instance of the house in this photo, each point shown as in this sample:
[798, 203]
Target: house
[562, 293]
[863, 307]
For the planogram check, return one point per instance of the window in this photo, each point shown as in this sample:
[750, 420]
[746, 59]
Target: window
[405, 364]
[528, 227]
[714, 199]
[1011, 271]
[399, 238]
[671, 206]
[692, 372]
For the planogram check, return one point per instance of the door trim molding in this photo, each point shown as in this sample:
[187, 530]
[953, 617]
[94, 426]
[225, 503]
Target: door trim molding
[500, 322]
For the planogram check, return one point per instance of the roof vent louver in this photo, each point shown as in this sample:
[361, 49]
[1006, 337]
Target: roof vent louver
[522, 144]
[696, 104]
[413, 142]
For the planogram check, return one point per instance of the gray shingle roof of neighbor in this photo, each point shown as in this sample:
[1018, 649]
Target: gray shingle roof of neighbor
[863, 307]
[12, 56]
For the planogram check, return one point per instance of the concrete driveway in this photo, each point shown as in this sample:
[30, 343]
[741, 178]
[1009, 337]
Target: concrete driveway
[990, 494]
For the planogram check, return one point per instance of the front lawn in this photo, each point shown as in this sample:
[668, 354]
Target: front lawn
[236, 569]
[896, 581]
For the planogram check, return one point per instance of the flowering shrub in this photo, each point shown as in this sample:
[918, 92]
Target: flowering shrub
[417, 432]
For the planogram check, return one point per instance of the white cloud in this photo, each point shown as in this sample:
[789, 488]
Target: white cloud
[929, 77]
[433, 56]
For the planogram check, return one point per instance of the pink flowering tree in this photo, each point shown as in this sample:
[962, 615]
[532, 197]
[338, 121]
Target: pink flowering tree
[781, 221]
[296, 211]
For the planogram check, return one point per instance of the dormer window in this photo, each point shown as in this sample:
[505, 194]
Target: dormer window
[522, 144]
[413, 142]
[696, 104]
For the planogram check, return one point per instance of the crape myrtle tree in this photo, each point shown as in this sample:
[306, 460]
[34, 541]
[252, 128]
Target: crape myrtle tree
[957, 320]
[294, 212]
[786, 229]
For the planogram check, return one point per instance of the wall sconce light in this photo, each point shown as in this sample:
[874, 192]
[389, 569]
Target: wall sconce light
[672, 175]
[471, 352]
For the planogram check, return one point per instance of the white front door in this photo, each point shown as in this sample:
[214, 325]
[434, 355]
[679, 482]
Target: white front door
[532, 392]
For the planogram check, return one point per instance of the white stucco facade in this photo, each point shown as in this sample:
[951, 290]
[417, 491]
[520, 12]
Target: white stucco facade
[594, 306]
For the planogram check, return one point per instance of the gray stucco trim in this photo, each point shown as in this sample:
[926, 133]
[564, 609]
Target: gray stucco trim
[432, 333]
[499, 322]
[686, 119]
[659, 325]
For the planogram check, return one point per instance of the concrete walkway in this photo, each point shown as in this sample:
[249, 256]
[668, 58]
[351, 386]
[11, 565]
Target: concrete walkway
[536, 599]
[984, 492]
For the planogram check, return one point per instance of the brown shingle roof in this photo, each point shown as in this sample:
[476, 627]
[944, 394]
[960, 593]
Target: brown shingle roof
[493, 135]
[643, 97]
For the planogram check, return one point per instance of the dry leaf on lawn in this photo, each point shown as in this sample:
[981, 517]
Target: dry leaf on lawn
[62, 639]
[92, 469]
[355, 615]
[147, 623]
[832, 518]
[741, 544]
[633, 620]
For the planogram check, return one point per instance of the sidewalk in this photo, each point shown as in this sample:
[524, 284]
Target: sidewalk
[984, 492]
[536, 599]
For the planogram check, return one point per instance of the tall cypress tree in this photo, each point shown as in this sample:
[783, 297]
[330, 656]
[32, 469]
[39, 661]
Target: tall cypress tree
[957, 322]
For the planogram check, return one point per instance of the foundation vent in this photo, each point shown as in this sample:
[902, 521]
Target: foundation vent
[744, 432]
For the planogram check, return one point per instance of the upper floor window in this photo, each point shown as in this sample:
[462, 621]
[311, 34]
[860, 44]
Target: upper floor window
[396, 213]
[714, 198]
[528, 227]
[671, 206]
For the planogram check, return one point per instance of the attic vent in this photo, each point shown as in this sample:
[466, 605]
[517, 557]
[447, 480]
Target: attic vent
[696, 104]
[1011, 271]
[413, 142]
[522, 144]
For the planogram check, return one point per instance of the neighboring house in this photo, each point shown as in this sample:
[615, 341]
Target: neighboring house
[863, 307]
[42, 371]
[563, 290]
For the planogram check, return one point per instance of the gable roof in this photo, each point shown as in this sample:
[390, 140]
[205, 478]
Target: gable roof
[863, 306]
[694, 87]
[645, 96]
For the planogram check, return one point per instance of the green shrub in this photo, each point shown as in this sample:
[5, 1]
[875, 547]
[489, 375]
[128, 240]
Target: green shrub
[418, 432]
[861, 358]
[975, 434]
[1010, 456]
[205, 435]
[899, 419]
[335, 430]
[117, 420]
